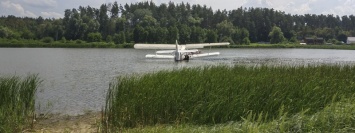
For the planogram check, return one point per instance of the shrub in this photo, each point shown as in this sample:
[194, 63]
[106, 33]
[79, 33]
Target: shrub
[94, 37]
[79, 41]
[47, 40]
[63, 40]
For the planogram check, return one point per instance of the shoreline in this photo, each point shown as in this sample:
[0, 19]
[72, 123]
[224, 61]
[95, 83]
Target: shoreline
[57, 123]
[130, 45]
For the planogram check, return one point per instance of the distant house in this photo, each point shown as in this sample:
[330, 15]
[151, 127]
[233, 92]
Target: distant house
[313, 41]
[350, 40]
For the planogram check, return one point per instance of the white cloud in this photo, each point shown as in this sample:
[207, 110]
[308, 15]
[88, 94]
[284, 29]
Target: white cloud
[51, 15]
[16, 9]
[347, 8]
[41, 3]
[303, 9]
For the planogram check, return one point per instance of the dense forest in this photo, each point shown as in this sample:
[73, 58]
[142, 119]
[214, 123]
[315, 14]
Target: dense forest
[146, 22]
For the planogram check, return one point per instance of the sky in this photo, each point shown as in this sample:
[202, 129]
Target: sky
[55, 8]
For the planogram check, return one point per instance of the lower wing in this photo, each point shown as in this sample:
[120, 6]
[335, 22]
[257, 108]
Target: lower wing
[159, 56]
[204, 54]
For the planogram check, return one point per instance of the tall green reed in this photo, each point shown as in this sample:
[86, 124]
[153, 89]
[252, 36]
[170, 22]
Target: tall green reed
[218, 94]
[17, 99]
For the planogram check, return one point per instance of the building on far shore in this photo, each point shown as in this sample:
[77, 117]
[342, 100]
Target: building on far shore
[350, 40]
[313, 41]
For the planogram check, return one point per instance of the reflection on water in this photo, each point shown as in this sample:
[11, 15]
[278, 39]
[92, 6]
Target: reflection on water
[76, 80]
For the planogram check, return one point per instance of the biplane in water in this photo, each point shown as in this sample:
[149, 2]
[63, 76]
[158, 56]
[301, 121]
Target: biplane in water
[178, 52]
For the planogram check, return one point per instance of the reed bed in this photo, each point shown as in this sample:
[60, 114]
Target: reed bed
[17, 99]
[336, 117]
[345, 47]
[221, 94]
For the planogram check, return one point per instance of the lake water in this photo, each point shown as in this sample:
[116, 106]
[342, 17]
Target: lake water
[76, 80]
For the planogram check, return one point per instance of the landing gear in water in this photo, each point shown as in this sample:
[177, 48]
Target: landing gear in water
[187, 57]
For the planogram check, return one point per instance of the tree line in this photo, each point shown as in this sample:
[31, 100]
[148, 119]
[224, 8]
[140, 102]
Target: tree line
[146, 22]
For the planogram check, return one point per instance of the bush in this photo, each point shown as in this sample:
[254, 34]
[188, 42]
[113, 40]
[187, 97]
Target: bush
[79, 41]
[246, 41]
[63, 40]
[47, 40]
[94, 37]
[27, 35]
[109, 39]
[119, 38]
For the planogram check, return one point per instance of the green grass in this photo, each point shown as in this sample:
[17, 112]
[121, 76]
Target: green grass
[60, 44]
[254, 45]
[222, 94]
[17, 97]
[336, 117]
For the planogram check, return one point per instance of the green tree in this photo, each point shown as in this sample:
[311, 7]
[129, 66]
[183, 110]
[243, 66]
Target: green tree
[241, 36]
[246, 41]
[94, 37]
[119, 38]
[211, 36]
[109, 38]
[139, 15]
[225, 29]
[276, 35]
[173, 34]
[162, 34]
[197, 35]
[114, 10]
[26, 34]
[5, 32]
[184, 34]
[139, 34]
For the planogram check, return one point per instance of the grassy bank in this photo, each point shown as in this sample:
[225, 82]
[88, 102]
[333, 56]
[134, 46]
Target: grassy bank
[13, 43]
[336, 117]
[254, 45]
[17, 96]
[246, 96]
[7, 43]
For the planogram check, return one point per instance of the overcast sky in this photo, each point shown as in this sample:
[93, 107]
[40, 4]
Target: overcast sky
[55, 8]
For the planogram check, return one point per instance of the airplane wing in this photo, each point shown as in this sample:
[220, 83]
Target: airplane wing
[154, 46]
[187, 51]
[202, 45]
[160, 56]
[165, 52]
[204, 54]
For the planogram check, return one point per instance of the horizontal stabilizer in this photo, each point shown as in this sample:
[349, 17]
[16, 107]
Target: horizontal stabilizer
[154, 46]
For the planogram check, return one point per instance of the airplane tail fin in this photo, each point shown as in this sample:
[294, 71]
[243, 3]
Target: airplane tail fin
[177, 45]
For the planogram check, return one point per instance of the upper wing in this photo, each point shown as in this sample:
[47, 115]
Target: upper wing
[201, 45]
[154, 46]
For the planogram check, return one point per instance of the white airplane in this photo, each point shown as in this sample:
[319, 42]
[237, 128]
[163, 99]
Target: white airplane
[179, 52]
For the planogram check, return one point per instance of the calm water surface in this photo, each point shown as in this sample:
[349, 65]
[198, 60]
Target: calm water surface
[76, 80]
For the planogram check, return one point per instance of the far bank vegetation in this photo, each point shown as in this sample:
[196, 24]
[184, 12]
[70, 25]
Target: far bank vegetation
[121, 25]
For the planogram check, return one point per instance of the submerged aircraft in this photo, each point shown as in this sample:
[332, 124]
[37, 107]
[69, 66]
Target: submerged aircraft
[178, 52]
